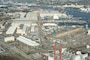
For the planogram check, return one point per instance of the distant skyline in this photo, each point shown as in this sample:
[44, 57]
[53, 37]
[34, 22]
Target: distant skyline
[30, 1]
[38, 0]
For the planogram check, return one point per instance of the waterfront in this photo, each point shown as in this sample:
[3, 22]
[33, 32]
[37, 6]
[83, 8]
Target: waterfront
[33, 33]
[69, 11]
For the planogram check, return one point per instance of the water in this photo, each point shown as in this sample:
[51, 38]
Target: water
[44, 7]
[69, 11]
[77, 13]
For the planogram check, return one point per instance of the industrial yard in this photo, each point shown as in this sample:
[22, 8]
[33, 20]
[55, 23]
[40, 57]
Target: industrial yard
[35, 34]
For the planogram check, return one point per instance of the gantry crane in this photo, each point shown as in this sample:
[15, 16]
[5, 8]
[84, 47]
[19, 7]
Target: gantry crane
[42, 37]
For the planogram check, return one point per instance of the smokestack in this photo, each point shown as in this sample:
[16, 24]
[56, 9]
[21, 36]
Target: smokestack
[55, 51]
[60, 51]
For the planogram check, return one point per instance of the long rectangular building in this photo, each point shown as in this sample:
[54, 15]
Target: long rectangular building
[26, 18]
[11, 30]
[27, 41]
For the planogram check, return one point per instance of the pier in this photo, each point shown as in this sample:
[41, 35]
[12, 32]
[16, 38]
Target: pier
[65, 21]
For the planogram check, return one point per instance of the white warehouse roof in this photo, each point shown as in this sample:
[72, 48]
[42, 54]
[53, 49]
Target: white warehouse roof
[24, 28]
[11, 30]
[28, 16]
[55, 16]
[52, 13]
[49, 24]
[27, 41]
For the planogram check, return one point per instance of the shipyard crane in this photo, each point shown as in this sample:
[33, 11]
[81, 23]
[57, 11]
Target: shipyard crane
[42, 37]
[65, 23]
[39, 23]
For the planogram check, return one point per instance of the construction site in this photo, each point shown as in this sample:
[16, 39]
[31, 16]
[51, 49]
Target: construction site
[35, 35]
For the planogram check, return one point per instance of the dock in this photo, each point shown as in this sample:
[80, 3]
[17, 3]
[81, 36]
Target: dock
[65, 21]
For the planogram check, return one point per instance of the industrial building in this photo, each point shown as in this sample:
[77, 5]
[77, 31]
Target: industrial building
[36, 34]
[22, 31]
[27, 41]
[11, 30]
[26, 18]
[51, 14]
[9, 39]
[2, 24]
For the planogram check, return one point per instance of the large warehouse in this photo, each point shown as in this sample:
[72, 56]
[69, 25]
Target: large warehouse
[26, 18]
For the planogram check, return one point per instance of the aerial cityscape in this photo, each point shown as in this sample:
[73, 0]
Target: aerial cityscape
[44, 29]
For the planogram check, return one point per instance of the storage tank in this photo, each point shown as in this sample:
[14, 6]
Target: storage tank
[78, 52]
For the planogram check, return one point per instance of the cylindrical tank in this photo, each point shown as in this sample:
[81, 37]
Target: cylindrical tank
[78, 52]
